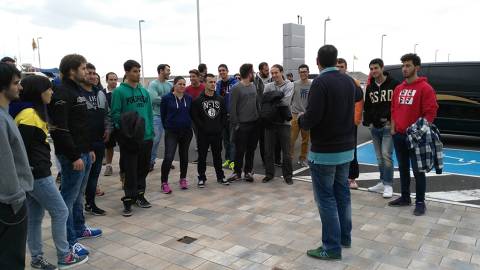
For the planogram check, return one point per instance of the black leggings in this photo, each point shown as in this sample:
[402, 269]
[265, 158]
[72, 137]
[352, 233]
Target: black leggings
[182, 138]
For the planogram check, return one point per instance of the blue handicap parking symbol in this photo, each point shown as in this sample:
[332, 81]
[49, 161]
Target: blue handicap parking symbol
[456, 161]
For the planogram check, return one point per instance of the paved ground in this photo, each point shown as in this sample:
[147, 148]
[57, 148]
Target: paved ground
[262, 226]
[450, 187]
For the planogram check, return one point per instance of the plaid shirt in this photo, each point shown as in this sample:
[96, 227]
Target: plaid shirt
[423, 138]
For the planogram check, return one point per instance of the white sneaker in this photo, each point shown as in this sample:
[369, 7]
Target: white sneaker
[388, 192]
[378, 188]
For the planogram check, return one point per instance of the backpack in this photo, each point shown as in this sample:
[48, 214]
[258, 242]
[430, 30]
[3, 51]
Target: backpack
[270, 108]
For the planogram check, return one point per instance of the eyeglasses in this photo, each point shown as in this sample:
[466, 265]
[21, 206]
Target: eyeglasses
[303, 71]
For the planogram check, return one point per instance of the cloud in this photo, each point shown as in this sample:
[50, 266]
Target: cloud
[61, 14]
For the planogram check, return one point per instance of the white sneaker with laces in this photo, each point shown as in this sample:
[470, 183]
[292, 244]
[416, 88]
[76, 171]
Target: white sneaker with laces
[388, 192]
[378, 188]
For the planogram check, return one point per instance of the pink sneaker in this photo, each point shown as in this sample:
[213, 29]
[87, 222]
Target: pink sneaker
[183, 183]
[166, 188]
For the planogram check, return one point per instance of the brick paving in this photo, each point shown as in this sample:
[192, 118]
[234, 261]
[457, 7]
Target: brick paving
[268, 226]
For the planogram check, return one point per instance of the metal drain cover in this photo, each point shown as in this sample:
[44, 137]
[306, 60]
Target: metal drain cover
[187, 240]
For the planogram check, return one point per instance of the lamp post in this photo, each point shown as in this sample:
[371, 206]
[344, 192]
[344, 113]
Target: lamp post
[38, 51]
[381, 47]
[325, 30]
[141, 48]
[436, 52]
[448, 57]
[415, 48]
[198, 32]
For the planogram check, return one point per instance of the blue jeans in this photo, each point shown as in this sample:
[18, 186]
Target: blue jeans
[91, 189]
[404, 157]
[382, 141]
[229, 142]
[158, 130]
[73, 189]
[332, 195]
[45, 196]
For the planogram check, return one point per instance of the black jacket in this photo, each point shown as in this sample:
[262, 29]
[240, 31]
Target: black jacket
[273, 99]
[376, 109]
[131, 132]
[34, 135]
[69, 121]
[329, 113]
[209, 114]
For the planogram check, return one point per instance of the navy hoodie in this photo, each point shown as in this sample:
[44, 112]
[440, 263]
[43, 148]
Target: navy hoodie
[175, 112]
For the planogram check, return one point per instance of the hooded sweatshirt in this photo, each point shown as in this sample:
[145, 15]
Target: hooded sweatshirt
[376, 109]
[127, 99]
[411, 101]
[99, 120]
[209, 114]
[175, 112]
[15, 174]
[223, 88]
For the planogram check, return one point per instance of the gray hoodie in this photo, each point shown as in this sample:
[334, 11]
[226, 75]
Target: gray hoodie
[15, 173]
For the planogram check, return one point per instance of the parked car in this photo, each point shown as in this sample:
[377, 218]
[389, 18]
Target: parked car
[457, 85]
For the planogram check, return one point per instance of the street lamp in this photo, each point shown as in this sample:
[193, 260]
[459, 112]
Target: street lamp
[38, 51]
[381, 48]
[141, 48]
[415, 48]
[436, 52]
[448, 57]
[198, 31]
[325, 30]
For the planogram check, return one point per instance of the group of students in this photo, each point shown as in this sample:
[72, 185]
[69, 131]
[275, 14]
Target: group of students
[263, 108]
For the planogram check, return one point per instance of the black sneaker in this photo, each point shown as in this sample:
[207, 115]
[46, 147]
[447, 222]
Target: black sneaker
[289, 181]
[40, 263]
[233, 177]
[127, 207]
[94, 210]
[401, 201]
[419, 209]
[142, 202]
[267, 179]
[201, 183]
[248, 177]
[223, 181]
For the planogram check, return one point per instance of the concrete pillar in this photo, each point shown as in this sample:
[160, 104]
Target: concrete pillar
[293, 48]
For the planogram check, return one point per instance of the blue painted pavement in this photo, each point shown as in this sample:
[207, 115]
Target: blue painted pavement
[456, 161]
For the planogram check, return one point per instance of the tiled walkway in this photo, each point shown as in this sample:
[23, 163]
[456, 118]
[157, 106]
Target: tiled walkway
[270, 226]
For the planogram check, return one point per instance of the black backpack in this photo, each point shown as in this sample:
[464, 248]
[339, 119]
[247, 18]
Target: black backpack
[270, 108]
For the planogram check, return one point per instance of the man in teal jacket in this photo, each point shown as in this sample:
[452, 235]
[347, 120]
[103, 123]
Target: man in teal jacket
[131, 96]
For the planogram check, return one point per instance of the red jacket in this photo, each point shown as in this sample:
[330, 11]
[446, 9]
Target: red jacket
[412, 101]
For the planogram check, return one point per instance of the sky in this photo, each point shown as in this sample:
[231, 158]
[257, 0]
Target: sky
[234, 32]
